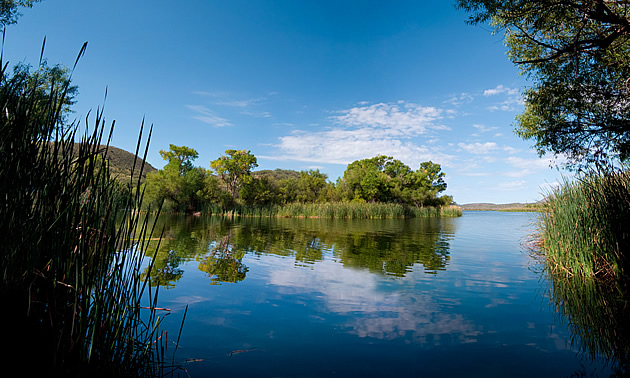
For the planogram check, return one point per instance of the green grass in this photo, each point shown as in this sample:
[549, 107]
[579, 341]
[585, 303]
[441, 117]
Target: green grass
[344, 210]
[69, 271]
[585, 228]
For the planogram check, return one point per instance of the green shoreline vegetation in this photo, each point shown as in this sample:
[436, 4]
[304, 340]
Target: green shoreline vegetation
[375, 188]
[70, 279]
[585, 228]
[70, 271]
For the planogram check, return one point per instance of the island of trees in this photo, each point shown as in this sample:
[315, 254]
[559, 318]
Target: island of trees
[231, 185]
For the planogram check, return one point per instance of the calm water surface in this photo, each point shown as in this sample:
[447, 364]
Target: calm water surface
[318, 298]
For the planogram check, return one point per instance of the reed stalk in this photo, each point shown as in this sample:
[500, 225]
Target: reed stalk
[585, 228]
[69, 268]
[340, 210]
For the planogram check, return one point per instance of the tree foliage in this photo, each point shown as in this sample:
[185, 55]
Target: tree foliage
[9, 10]
[179, 184]
[234, 168]
[385, 179]
[577, 54]
[183, 187]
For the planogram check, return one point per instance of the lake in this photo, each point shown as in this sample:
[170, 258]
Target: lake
[404, 297]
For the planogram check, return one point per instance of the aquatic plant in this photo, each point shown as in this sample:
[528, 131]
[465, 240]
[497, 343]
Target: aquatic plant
[342, 210]
[69, 271]
[585, 226]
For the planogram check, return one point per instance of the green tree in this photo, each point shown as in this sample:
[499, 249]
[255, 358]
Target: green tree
[48, 90]
[179, 184]
[9, 10]
[311, 186]
[577, 54]
[234, 168]
[428, 183]
[365, 181]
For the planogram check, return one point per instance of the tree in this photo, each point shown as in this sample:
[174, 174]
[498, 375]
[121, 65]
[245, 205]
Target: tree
[427, 183]
[311, 186]
[180, 156]
[577, 54]
[182, 186]
[48, 91]
[9, 10]
[365, 181]
[234, 168]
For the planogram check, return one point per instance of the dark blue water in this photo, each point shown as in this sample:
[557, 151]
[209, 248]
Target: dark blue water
[392, 298]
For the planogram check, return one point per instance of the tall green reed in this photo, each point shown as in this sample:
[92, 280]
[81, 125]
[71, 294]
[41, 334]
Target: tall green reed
[585, 228]
[343, 210]
[69, 268]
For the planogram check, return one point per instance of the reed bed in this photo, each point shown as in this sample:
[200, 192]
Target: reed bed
[342, 210]
[69, 271]
[585, 228]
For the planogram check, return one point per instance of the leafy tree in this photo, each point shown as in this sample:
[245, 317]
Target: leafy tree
[365, 181]
[9, 10]
[234, 168]
[182, 186]
[259, 191]
[384, 179]
[48, 90]
[181, 156]
[428, 182]
[577, 54]
[311, 186]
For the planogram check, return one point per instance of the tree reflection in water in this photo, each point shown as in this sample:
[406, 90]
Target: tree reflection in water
[219, 244]
[223, 263]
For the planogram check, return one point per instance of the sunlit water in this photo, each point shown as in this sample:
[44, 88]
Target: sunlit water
[317, 298]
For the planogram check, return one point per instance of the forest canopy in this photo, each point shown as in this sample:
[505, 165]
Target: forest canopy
[231, 181]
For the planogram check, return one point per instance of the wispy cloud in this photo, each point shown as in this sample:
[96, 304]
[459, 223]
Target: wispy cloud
[401, 119]
[479, 148]
[484, 129]
[499, 90]
[366, 131]
[339, 146]
[525, 167]
[512, 99]
[226, 99]
[206, 115]
[257, 114]
[485, 148]
[461, 99]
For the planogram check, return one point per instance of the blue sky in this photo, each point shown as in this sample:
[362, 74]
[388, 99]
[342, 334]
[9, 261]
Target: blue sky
[302, 84]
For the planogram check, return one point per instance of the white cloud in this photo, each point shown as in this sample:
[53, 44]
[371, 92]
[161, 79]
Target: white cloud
[499, 90]
[338, 146]
[485, 148]
[257, 114]
[206, 115]
[401, 119]
[525, 167]
[366, 131]
[463, 98]
[484, 129]
[479, 148]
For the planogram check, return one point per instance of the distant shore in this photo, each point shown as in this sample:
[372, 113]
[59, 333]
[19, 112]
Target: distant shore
[516, 206]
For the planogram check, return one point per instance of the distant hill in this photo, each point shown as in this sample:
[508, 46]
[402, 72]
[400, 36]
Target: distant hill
[121, 162]
[277, 174]
[516, 206]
